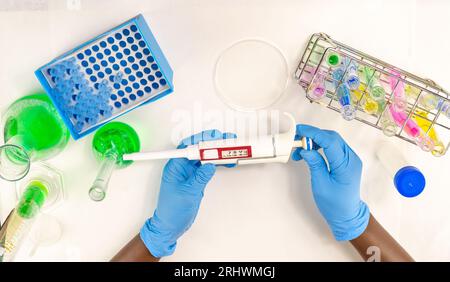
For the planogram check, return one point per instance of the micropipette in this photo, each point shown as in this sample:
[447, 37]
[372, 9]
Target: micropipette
[265, 149]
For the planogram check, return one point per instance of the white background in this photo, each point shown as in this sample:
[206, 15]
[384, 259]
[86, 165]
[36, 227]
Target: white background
[255, 213]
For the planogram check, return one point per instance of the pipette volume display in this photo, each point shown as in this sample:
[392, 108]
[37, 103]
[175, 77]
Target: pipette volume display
[264, 149]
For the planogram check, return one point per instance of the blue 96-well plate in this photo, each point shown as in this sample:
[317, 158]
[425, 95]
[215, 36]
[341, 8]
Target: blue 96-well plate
[107, 76]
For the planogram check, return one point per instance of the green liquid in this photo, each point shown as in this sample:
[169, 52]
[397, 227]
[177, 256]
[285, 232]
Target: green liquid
[377, 92]
[333, 59]
[36, 121]
[32, 199]
[116, 138]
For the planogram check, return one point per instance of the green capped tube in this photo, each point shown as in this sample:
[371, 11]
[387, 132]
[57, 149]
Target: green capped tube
[20, 220]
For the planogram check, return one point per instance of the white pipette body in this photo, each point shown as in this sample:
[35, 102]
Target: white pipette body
[270, 148]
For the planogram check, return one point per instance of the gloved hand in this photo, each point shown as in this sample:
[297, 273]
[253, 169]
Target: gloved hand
[182, 185]
[335, 190]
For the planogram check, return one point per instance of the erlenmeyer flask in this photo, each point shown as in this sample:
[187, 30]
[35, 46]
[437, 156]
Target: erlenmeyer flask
[109, 144]
[32, 130]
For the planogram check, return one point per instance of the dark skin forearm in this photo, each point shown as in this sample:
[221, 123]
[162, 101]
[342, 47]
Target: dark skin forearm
[134, 251]
[375, 238]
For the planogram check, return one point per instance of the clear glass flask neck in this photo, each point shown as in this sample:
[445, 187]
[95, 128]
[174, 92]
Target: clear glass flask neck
[15, 159]
[100, 185]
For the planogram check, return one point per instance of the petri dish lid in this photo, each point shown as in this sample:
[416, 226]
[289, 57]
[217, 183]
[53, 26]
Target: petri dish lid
[409, 181]
[251, 74]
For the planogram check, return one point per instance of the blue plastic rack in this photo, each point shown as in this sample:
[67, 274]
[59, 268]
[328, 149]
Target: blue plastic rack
[107, 76]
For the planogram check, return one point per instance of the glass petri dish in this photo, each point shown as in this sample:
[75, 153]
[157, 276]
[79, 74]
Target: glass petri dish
[250, 75]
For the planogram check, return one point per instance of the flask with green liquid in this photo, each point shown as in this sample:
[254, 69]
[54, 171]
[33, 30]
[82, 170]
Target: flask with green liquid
[33, 130]
[110, 143]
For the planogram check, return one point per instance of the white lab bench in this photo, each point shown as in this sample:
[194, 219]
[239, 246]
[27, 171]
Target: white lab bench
[251, 213]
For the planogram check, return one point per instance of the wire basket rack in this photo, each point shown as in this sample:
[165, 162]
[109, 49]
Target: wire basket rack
[376, 93]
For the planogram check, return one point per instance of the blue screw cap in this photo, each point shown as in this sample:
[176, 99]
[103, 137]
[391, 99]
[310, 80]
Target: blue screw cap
[409, 181]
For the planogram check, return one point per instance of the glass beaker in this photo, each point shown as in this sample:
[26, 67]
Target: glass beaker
[110, 143]
[32, 131]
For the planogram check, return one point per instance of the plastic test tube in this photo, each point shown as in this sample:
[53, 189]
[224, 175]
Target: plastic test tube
[376, 91]
[333, 59]
[400, 117]
[411, 128]
[368, 104]
[348, 111]
[343, 94]
[20, 220]
[399, 90]
[351, 77]
[387, 123]
[421, 119]
[444, 106]
[317, 88]
[430, 102]
[408, 180]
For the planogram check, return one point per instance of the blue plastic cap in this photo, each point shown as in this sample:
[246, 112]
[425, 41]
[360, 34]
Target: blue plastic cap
[409, 181]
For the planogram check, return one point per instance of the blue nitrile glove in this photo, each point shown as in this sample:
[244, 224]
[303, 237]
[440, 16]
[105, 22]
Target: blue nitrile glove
[182, 185]
[335, 190]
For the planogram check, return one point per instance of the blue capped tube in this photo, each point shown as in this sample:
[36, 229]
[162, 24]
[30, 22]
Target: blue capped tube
[350, 69]
[444, 106]
[348, 112]
[351, 78]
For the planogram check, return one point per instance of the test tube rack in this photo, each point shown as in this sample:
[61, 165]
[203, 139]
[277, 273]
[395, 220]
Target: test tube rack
[434, 120]
[107, 76]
